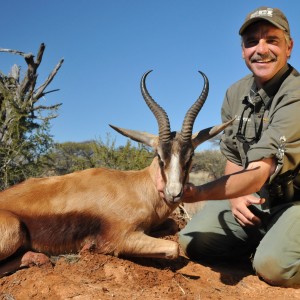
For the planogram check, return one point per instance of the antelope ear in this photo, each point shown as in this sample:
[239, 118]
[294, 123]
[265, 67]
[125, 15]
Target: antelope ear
[206, 134]
[138, 136]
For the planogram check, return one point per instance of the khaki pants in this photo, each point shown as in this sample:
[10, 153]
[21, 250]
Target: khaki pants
[214, 233]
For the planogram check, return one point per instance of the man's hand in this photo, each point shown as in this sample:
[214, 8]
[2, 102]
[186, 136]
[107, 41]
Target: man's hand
[190, 193]
[242, 213]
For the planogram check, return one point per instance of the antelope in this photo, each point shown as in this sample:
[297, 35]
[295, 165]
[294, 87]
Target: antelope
[111, 211]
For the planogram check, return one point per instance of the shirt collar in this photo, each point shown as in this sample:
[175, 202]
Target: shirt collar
[268, 91]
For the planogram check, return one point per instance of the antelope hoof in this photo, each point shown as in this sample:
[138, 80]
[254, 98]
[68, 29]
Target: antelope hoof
[88, 247]
[173, 252]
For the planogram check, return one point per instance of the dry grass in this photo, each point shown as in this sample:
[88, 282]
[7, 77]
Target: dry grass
[200, 177]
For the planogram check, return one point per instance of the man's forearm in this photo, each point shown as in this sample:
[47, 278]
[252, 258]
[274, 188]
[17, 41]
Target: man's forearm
[239, 183]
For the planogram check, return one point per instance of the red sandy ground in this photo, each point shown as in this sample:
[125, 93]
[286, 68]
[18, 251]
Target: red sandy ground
[96, 276]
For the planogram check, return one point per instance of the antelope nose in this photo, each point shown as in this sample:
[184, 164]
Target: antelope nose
[175, 195]
[177, 198]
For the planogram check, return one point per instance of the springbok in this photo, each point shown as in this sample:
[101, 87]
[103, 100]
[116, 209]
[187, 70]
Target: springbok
[112, 211]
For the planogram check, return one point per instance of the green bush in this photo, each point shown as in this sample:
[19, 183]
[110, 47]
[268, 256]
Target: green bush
[70, 157]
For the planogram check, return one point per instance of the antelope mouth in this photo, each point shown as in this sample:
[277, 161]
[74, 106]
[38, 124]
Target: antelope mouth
[173, 199]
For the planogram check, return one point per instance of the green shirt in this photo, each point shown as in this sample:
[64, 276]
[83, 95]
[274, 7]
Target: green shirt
[269, 119]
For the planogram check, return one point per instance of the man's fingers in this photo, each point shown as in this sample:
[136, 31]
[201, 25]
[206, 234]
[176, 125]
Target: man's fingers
[257, 200]
[240, 219]
[247, 218]
[255, 220]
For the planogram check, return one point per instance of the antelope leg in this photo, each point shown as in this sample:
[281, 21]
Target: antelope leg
[169, 227]
[141, 245]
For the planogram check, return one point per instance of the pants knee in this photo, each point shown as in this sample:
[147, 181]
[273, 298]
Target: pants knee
[197, 245]
[191, 245]
[277, 271]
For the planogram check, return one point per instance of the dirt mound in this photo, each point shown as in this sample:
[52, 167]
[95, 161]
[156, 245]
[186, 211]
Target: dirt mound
[97, 276]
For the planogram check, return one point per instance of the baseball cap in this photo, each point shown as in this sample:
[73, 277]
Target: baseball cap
[272, 15]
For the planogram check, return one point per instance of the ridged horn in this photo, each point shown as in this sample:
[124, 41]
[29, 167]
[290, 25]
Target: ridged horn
[190, 117]
[159, 113]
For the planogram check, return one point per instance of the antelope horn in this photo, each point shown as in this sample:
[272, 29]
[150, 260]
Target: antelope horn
[159, 113]
[189, 119]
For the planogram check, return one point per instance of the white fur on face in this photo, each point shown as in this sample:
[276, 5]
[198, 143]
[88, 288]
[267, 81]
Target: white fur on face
[174, 185]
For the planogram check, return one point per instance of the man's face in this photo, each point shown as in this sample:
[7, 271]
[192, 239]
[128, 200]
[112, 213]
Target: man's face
[265, 50]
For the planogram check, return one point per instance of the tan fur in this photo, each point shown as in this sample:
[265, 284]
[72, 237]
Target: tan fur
[109, 209]
[10, 230]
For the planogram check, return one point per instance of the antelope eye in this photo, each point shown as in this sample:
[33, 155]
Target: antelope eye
[161, 163]
[189, 160]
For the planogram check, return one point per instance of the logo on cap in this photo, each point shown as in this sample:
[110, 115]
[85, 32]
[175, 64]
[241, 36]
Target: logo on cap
[262, 13]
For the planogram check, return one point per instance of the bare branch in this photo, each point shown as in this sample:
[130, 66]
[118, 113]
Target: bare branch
[30, 78]
[29, 81]
[40, 54]
[15, 72]
[51, 107]
[13, 51]
[40, 91]
[50, 117]
[48, 92]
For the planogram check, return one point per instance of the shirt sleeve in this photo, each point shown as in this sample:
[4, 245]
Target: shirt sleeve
[281, 139]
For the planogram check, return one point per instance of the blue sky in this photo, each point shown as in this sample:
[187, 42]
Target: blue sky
[108, 44]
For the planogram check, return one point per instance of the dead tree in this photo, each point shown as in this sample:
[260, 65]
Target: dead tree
[21, 115]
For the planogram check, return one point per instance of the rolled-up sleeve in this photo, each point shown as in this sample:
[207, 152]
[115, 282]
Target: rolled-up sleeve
[281, 139]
